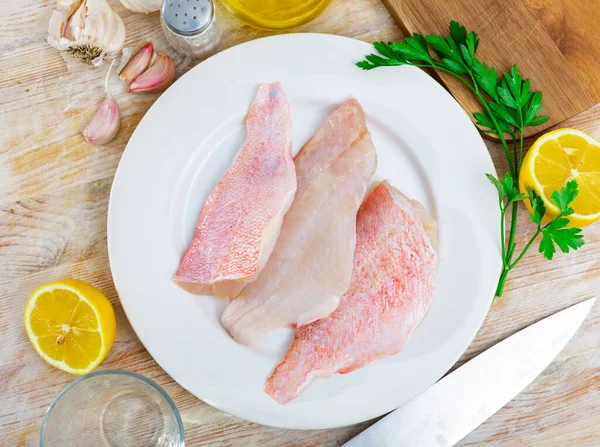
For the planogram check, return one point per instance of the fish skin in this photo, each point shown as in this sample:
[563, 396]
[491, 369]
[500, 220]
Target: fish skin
[241, 219]
[391, 289]
[311, 265]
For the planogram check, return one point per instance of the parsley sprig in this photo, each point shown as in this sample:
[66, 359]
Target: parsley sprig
[508, 107]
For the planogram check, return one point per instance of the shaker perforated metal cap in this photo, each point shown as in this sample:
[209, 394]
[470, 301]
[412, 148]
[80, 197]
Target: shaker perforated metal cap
[188, 17]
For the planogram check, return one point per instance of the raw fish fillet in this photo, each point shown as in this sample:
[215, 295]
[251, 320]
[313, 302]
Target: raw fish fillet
[390, 292]
[241, 219]
[311, 265]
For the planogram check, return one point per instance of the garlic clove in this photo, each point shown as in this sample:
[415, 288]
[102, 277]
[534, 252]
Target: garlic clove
[104, 26]
[59, 19]
[142, 5]
[67, 34]
[105, 124]
[138, 62]
[88, 30]
[155, 79]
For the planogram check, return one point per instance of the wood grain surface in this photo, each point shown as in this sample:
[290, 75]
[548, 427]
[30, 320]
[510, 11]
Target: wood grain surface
[54, 190]
[553, 42]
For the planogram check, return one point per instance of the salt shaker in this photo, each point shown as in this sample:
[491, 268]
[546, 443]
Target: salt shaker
[190, 26]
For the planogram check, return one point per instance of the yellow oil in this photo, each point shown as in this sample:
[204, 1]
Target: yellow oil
[275, 14]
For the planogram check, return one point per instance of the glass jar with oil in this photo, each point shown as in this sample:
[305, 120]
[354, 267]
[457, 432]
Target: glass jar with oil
[275, 14]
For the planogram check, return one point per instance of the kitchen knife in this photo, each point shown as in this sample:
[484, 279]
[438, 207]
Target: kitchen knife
[453, 407]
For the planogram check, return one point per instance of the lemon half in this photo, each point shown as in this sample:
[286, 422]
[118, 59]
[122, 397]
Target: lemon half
[554, 159]
[71, 325]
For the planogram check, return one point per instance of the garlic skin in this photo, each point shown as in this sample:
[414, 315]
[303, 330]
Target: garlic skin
[155, 79]
[105, 124]
[145, 6]
[90, 33]
[138, 62]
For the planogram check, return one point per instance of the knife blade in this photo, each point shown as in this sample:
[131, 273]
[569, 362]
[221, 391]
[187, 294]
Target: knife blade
[453, 407]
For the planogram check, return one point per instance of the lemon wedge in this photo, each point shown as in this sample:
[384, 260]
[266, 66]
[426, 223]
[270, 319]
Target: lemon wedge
[71, 325]
[554, 159]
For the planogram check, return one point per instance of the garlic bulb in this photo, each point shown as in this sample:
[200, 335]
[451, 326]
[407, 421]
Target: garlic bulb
[89, 30]
[142, 5]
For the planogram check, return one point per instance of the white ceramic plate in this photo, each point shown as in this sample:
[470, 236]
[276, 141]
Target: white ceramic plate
[426, 146]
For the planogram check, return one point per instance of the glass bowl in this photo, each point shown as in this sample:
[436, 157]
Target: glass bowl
[112, 408]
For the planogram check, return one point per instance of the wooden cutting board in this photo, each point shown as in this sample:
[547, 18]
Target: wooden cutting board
[556, 43]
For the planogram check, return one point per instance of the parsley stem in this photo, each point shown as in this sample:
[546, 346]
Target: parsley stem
[522, 127]
[515, 151]
[500, 133]
[512, 234]
[533, 238]
[502, 232]
[518, 159]
[501, 281]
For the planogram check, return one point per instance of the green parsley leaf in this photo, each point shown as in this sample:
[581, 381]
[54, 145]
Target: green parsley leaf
[365, 65]
[374, 61]
[422, 42]
[507, 98]
[467, 56]
[498, 185]
[509, 186]
[485, 121]
[538, 207]
[510, 189]
[525, 93]
[486, 78]
[547, 246]
[456, 67]
[556, 232]
[503, 113]
[506, 187]
[385, 50]
[472, 42]
[538, 120]
[533, 108]
[392, 58]
[565, 197]
[516, 198]
[514, 81]
[458, 32]
[444, 48]
[411, 50]
[568, 238]
[556, 224]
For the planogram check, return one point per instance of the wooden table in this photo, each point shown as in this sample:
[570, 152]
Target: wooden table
[54, 190]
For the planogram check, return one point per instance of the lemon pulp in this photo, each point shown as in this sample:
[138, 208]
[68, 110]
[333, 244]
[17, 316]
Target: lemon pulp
[554, 159]
[70, 324]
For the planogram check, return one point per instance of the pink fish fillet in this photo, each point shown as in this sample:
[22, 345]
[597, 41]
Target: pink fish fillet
[311, 265]
[241, 219]
[390, 292]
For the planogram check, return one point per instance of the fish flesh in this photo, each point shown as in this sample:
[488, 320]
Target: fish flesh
[311, 265]
[242, 217]
[390, 292]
